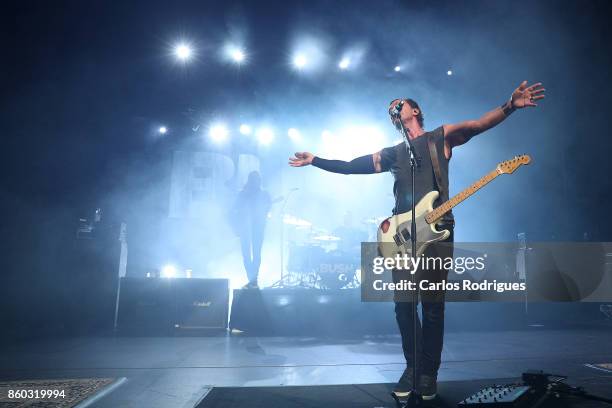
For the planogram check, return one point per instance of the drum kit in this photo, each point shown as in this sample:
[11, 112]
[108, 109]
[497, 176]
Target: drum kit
[320, 259]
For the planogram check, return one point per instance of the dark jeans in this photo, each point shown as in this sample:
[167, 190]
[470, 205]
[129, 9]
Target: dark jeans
[250, 244]
[430, 334]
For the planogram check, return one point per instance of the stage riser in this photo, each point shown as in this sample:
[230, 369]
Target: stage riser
[310, 312]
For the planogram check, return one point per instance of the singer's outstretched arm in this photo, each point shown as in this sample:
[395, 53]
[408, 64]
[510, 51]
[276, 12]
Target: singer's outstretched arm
[523, 96]
[367, 164]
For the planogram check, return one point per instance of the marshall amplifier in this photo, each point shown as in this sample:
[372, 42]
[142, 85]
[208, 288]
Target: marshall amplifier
[146, 305]
[165, 304]
[201, 303]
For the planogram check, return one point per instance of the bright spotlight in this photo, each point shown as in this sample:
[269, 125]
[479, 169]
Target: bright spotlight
[352, 56]
[294, 134]
[183, 51]
[245, 129]
[265, 136]
[449, 72]
[344, 63]
[299, 61]
[162, 130]
[168, 271]
[397, 68]
[218, 132]
[309, 53]
[238, 55]
[235, 53]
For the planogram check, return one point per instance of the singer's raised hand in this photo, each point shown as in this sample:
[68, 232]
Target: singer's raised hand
[301, 159]
[527, 96]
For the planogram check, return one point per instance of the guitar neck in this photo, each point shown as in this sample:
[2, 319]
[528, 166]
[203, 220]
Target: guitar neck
[438, 212]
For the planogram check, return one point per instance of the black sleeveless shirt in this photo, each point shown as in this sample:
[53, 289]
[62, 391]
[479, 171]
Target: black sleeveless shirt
[396, 160]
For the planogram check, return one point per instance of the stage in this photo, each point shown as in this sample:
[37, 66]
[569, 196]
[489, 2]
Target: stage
[233, 204]
[182, 371]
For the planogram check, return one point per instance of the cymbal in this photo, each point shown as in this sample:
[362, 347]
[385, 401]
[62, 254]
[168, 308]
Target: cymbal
[374, 220]
[295, 221]
[326, 238]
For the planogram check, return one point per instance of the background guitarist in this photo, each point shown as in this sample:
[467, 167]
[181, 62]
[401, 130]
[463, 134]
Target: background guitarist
[395, 159]
[248, 218]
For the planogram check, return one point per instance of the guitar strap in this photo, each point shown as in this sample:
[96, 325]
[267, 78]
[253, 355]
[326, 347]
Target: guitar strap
[435, 162]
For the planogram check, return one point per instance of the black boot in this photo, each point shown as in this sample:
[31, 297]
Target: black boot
[428, 386]
[405, 384]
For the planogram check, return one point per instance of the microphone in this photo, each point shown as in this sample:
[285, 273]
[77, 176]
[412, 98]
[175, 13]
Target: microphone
[397, 109]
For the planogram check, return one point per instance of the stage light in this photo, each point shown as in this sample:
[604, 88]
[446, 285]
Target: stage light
[183, 51]
[245, 129]
[234, 53]
[352, 56]
[309, 53]
[449, 72]
[397, 68]
[299, 61]
[265, 135]
[283, 300]
[238, 55]
[323, 299]
[168, 271]
[294, 134]
[162, 130]
[218, 132]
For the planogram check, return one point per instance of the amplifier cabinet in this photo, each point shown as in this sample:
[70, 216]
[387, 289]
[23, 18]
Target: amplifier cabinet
[146, 304]
[164, 304]
[201, 303]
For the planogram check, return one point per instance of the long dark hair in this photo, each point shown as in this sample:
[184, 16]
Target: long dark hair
[253, 182]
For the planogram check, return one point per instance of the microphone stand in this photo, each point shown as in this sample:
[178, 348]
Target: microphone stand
[281, 283]
[415, 399]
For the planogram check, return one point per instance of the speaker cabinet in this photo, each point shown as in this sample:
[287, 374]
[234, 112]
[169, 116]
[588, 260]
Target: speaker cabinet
[201, 303]
[146, 304]
[165, 304]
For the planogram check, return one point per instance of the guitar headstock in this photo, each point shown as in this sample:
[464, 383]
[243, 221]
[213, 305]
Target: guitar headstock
[509, 166]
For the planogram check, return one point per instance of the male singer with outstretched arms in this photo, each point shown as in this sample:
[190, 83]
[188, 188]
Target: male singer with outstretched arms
[395, 159]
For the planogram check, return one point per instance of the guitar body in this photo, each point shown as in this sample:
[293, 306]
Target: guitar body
[394, 232]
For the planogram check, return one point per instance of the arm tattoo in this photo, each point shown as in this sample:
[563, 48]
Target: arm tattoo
[507, 107]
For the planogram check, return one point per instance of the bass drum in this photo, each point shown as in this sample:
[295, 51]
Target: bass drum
[338, 270]
[304, 258]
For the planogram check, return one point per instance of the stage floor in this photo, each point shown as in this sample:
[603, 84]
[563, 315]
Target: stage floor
[179, 371]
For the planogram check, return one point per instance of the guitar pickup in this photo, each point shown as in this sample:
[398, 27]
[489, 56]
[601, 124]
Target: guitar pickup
[405, 234]
[397, 240]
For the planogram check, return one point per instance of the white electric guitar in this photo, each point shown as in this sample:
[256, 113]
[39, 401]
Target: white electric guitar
[394, 232]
